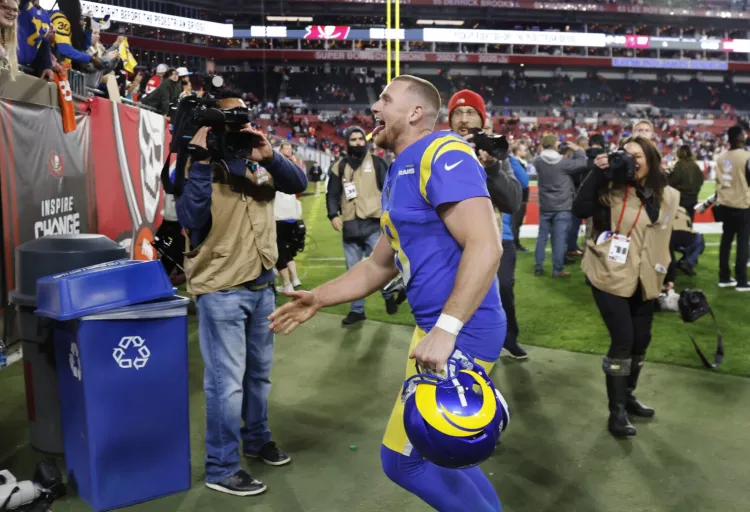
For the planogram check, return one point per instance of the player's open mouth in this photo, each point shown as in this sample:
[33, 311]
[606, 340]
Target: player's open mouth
[379, 126]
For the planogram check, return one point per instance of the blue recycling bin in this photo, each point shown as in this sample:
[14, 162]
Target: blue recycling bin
[122, 366]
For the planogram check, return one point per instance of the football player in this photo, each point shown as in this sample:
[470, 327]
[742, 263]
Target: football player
[439, 232]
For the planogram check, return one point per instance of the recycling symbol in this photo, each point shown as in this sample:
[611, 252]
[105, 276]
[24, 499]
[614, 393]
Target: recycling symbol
[75, 361]
[131, 352]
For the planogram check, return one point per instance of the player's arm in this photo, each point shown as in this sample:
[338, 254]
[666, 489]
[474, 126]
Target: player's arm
[362, 280]
[472, 224]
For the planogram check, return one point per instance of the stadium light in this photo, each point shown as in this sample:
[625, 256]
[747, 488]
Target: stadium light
[289, 18]
[455, 23]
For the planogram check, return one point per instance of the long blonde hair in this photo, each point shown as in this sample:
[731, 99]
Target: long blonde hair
[9, 39]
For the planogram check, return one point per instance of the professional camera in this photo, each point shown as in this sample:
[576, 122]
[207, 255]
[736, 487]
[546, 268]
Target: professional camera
[622, 167]
[34, 495]
[495, 145]
[192, 114]
[592, 153]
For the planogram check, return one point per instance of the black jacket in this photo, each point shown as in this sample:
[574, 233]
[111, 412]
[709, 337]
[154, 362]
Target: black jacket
[164, 95]
[356, 229]
[505, 190]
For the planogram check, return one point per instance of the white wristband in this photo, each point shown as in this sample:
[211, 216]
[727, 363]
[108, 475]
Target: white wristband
[449, 324]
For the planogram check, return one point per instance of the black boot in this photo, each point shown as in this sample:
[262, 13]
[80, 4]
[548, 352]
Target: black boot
[619, 424]
[633, 406]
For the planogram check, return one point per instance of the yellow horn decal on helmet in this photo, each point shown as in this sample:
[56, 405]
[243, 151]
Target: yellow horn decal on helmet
[485, 414]
[426, 402]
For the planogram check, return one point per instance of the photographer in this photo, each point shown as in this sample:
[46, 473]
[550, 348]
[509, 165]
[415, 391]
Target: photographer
[227, 210]
[556, 191]
[355, 184]
[626, 261]
[733, 208]
[467, 115]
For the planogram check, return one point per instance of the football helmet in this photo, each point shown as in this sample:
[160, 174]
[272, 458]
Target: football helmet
[454, 419]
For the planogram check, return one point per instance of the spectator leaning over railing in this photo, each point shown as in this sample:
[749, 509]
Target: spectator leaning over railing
[8, 37]
[70, 38]
[35, 37]
[155, 81]
[167, 93]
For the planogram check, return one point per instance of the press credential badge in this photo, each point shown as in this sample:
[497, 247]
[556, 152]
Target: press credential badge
[350, 190]
[618, 250]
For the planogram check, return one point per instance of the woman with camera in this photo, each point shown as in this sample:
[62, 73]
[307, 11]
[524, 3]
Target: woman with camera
[626, 261]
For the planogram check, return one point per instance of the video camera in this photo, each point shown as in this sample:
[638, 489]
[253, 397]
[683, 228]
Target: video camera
[495, 145]
[622, 168]
[225, 141]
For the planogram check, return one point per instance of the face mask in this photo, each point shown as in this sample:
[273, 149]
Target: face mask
[357, 151]
[237, 167]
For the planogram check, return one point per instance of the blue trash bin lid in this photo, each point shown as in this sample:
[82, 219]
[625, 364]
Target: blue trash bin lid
[170, 307]
[100, 288]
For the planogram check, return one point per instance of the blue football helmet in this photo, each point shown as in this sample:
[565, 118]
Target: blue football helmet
[454, 420]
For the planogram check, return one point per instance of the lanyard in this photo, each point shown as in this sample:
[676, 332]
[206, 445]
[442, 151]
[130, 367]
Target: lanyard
[622, 213]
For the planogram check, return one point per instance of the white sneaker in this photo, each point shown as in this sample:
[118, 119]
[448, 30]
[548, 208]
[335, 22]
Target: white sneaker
[732, 283]
[287, 288]
[296, 283]
[743, 288]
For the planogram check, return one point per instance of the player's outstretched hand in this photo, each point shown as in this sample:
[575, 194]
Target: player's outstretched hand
[433, 352]
[289, 316]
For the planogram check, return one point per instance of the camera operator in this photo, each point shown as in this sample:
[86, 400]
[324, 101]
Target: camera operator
[227, 210]
[556, 190]
[355, 184]
[626, 261]
[467, 115]
[733, 208]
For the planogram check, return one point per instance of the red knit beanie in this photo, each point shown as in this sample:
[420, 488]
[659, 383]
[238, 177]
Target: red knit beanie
[467, 98]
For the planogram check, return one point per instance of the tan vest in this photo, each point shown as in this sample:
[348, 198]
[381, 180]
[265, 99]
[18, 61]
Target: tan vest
[731, 180]
[682, 221]
[242, 240]
[368, 201]
[648, 256]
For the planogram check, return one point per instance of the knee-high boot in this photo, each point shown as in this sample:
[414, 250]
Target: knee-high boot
[617, 372]
[633, 406]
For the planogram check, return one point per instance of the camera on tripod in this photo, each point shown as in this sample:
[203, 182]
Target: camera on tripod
[622, 167]
[495, 145]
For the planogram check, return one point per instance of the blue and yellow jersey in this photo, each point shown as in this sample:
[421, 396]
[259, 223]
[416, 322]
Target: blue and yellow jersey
[33, 27]
[439, 168]
[63, 41]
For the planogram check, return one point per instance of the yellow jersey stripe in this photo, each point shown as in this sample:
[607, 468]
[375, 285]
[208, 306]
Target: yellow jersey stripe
[428, 158]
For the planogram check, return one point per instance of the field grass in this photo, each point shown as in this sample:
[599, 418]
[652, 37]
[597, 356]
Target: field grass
[562, 314]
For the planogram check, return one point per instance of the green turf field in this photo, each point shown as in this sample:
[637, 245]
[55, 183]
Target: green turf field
[334, 388]
[562, 314]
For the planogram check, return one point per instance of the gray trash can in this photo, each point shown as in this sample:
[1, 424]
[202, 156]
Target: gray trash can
[34, 259]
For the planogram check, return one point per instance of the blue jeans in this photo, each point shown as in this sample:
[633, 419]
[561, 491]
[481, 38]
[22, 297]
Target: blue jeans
[575, 227]
[556, 224]
[237, 349]
[355, 251]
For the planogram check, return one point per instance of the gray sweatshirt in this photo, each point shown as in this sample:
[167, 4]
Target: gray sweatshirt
[556, 188]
